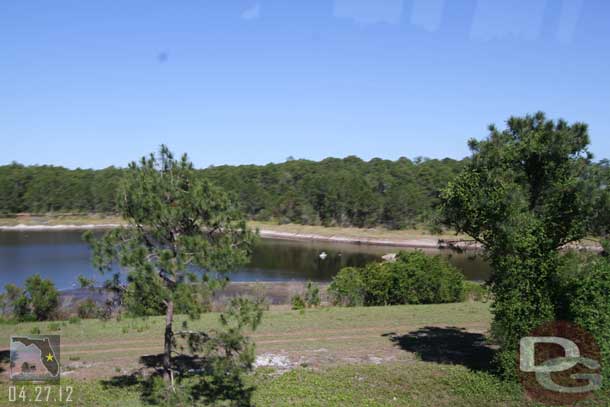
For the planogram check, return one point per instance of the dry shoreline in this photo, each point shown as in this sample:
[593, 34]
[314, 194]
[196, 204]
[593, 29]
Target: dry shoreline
[431, 242]
[417, 242]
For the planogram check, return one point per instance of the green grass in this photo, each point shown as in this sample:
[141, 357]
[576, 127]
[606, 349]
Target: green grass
[343, 332]
[402, 381]
[416, 384]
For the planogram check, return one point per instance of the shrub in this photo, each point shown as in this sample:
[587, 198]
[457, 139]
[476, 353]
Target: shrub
[74, 320]
[144, 294]
[312, 294]
[35, 331]
[87, 309]
[347, 287]
[414, 278]
[54, 326]
[298, 303]
[475, 291]
[584, 299]
[39, 300]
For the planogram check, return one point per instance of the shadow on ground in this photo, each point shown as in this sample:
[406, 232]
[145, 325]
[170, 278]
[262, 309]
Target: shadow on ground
[206, 380]
[451, 345]
[5, 359]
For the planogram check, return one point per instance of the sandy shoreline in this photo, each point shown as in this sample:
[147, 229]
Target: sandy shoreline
[418, 243]
[431, 242]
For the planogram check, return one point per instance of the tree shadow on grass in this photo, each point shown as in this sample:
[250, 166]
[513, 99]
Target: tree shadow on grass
[207, 380]
[5, 359]
[453, 346]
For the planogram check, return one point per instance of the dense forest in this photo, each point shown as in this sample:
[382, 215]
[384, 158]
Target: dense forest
[346, 192]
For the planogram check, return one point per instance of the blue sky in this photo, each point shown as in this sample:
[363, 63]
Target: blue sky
[95, 83]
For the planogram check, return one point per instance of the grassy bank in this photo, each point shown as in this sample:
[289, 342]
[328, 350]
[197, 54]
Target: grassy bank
[409, 355]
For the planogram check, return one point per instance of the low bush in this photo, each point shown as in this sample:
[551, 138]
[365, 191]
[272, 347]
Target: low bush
[74, 320]
[39, 301]
[584, 290]
[414, 278]
[87, 309]
[312, 294]
[347, 287]
[298, 303]
[54, 326]
[475, 291]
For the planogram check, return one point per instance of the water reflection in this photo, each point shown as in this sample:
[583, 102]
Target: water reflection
[62, 256]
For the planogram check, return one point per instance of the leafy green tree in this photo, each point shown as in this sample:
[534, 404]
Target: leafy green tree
[524, 194]
[178, 226]
[9, 296]
[38, 301]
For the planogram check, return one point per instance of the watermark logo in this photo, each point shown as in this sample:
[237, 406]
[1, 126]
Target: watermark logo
[559, 363]
[35, 358]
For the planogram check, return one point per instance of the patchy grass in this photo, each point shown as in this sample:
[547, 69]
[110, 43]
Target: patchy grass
[316, 337]
[416, 384]
[332, 349]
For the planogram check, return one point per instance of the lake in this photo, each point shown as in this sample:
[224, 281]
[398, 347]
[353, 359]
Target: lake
[62, 255]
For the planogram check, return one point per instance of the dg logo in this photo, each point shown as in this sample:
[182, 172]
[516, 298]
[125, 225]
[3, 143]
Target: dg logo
[559, 363]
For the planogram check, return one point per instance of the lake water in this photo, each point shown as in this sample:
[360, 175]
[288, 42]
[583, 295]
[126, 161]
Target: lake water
[62, 255]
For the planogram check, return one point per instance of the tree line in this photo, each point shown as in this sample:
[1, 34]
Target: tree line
[333, 192]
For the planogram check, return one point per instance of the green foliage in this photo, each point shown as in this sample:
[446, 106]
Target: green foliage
[85, 282]
[54, 326]
[348, 287]
[35, 331]
[414, 278]
[87, 309]
[297, 302]
[312, 294]
[179, 226]
[308, 298]
[475, 291]
[144, 293]
[39, 301]
[9, 297]
[524, 193]
[347, 191]
[74, 320]
[584, 287]
[225, 356]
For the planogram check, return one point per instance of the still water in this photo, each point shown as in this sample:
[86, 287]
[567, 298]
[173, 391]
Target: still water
[62, 255]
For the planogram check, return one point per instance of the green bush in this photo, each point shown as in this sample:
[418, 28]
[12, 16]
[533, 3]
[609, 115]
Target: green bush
[87, 309]
[414, 278]
[585, 282]
[298, 303]
[312, 294]
[74, 320]
[347, 287]
[54, 326]
[475, 291]
[38, 302]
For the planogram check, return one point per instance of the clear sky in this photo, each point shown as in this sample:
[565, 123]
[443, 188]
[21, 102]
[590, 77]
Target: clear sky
[99, 83]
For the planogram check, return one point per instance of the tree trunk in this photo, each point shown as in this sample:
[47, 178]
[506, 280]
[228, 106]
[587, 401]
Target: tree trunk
[167, 353]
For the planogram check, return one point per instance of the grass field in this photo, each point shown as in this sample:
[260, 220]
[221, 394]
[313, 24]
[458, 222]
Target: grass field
[411, 355]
